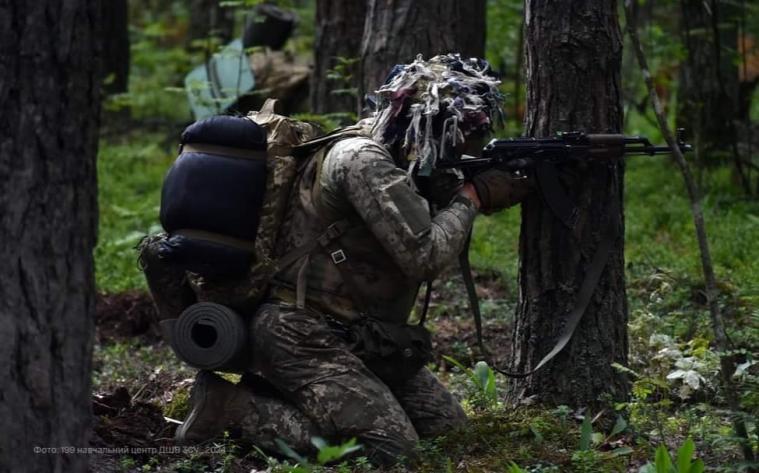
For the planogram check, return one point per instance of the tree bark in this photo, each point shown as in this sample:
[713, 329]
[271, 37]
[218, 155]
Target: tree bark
[339, 29]
[573, 52]
[208, 19]
[708, 87]
[116, 46]
[50, 96]
[709, 75]
[397, 30]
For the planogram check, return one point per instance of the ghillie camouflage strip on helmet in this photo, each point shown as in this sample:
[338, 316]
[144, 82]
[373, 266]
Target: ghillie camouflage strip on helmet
[461, 92]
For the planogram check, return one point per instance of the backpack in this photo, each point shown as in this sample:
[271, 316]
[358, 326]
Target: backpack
[224, 199]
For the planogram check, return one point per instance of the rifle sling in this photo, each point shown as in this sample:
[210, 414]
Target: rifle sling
[552, 190]
[474, 302]
[572, 319]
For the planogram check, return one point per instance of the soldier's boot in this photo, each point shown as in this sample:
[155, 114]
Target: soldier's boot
[217, 405]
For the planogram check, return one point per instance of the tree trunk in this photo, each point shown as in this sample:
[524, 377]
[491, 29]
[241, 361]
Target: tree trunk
[708, 89]
[337, 48]
[209, 20]
[49, 95]
[116, 46]
[397, 30]
[573, 52]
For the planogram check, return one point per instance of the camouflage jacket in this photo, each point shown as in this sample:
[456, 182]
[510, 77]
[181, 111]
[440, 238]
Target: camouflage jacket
[392, 245]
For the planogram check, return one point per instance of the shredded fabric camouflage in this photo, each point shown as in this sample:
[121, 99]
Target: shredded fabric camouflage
[461, 91]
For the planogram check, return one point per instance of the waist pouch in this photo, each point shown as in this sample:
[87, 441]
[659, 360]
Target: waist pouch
[394, 352]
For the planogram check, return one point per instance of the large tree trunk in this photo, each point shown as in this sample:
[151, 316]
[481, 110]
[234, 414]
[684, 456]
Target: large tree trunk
[49, 95]
[337, 47]
[397, 30]
[573, 56]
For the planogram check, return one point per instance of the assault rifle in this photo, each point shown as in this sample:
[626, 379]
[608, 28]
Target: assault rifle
[520, 155]
[542, 158]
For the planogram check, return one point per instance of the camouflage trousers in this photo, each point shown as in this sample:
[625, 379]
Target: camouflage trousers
[304, 381]
[316, 373]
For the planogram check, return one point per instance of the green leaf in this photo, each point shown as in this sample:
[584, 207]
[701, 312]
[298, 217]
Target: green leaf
[481, 371]
[619, 426]
[663, 462]
[514, 468]
[536, 432]
[697, 466]
[456, 363]
[586, 432]
[289, 452]
[621, 451]
[318, 442]
[330, 453]
[490, 388]
[684, 455]
[647, 468]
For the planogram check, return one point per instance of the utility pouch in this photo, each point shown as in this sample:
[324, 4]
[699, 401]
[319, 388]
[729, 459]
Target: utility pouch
[394, 352]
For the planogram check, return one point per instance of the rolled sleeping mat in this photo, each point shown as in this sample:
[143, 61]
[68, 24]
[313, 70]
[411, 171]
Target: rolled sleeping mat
[210, 336]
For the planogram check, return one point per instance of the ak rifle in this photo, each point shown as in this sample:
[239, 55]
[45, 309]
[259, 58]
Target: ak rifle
[522, 155]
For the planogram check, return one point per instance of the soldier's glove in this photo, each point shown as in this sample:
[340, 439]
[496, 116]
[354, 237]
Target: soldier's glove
[499, 190]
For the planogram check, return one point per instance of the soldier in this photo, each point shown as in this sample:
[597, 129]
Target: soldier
[332, 354]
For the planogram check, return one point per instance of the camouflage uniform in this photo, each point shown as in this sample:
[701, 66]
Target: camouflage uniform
[393, 245]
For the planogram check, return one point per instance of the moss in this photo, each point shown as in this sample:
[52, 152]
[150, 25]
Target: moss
[179, 406]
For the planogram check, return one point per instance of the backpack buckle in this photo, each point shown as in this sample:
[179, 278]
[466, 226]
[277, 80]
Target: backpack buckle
[338, 256]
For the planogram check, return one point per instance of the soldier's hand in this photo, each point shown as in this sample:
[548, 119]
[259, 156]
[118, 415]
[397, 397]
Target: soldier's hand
[499, 190]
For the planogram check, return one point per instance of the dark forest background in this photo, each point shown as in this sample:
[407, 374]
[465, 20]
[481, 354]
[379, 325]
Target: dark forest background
[664, 392]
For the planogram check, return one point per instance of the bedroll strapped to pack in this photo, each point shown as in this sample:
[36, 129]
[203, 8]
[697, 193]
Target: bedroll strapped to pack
[224, 198]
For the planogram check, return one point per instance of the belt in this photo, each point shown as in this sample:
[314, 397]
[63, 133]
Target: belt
[346, 314]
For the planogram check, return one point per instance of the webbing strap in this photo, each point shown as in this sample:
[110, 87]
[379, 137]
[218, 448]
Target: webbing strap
[333, 232]
[572, 319]
[426, 306]
[239, 243]
[224, 151]
[471, 290]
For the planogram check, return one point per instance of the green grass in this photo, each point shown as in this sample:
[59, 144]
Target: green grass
[130, 173]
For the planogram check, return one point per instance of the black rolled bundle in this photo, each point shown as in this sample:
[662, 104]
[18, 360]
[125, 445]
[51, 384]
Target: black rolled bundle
[212, 196]
[210, 336]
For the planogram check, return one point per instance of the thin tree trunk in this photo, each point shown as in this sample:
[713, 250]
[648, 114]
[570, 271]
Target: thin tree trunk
[518, 75]
[727, 364]
[396, 31]
[573, 57]
[339, 29]
[49, 95]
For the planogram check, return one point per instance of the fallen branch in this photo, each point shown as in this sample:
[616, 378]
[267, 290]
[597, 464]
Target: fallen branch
[727, 364]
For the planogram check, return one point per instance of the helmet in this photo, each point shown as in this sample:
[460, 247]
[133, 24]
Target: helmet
[427, 106]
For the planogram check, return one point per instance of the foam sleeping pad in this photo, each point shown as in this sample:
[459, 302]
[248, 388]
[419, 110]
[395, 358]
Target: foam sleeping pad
[210, 336]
